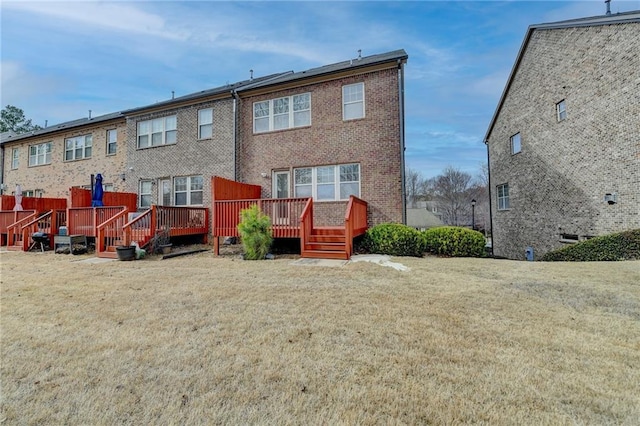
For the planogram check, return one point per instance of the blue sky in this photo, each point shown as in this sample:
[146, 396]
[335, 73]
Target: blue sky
[61, 59]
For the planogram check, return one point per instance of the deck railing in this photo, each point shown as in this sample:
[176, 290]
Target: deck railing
[111, 233]
[47, 223]
[284, 213]
[9, 217]
[355, 221]
[306, 225]
[85, 220]
[182, 220]
[14, 231]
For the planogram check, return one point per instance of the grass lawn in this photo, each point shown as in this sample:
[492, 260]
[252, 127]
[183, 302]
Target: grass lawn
[204, 340]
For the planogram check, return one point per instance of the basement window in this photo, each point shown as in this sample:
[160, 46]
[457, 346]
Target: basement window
[569, 238]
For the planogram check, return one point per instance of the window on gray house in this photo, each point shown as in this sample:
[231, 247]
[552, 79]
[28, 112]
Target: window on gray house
[561, 110]
[503, 196]
[516, 143]
[205, 123]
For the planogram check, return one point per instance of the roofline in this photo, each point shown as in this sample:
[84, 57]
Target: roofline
[65, 126]
[618, 18]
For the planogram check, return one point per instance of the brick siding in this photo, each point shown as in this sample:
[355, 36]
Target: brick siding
[373, 142]
[558, 182]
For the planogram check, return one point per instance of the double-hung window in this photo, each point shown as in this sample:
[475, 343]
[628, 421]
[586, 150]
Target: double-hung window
[40, 154]
[282, 113]
[15, 158]
[78, 148]
[156, 132]
[503, 196]
[145, 192]
[561, 110]
[353, 101]
[112, 139]
[327, 183]
[205, 123]
[188, 190]
[516, 143]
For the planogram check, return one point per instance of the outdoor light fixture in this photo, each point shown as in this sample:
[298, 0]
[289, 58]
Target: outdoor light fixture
[473, 214]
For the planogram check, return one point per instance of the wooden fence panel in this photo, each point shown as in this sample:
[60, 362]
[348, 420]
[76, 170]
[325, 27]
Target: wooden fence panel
[225, 189]
[82, 198]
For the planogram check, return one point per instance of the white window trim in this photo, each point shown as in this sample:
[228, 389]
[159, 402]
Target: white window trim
[163, 132]
[291, 113]
[345, 103]
[141, 194]
[46, 155]
[504, 202]
[336, 182]
[15, 158]
[114, 143]
[201, 125]
[560, 112]
[188, 191]
[87, 145]
[513, 138]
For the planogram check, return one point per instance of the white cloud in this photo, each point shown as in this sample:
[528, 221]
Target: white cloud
[121, 17]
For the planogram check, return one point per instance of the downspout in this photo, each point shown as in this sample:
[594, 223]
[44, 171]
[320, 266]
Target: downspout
[236, 100]
[1, 168]
[402, 142]
[486, 142]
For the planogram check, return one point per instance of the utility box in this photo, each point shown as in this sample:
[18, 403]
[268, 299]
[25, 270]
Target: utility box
[529, 254]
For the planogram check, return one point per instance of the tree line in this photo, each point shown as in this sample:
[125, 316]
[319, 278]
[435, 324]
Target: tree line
[450, 194]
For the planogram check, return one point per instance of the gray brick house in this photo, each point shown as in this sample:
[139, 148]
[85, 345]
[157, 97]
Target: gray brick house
[564, 141]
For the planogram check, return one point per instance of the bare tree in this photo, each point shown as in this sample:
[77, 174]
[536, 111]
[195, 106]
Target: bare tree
[452, 192]
[415, 185]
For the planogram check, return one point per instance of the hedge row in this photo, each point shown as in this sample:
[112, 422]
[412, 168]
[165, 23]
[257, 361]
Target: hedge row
[620, 246]
[401, 240]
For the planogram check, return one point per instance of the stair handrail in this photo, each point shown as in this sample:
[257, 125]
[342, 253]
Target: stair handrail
[101, 246]
[15, 229]
[129, 227]
[39, 223]
[355, 221]
[306, 225]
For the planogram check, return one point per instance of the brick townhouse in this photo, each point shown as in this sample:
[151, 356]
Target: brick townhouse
[326, 133]
[563, 145]
[47, 162]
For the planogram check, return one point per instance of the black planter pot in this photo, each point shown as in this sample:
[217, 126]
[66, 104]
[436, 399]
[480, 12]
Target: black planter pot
[126, 252]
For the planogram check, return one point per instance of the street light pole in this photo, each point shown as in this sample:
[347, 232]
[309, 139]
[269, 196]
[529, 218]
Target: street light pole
[473, 214]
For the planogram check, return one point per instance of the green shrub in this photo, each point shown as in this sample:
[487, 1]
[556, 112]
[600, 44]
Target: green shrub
[454, 241]
[620, 246]
[393, 239]
[255, 233]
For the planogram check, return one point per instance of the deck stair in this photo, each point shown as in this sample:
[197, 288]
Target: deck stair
[326, 243]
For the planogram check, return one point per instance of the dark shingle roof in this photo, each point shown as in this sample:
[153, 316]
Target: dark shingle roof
[62, 126]
[396, 55]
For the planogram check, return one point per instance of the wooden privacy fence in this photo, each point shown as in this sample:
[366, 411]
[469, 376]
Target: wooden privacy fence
[81, 197]
[39, 204]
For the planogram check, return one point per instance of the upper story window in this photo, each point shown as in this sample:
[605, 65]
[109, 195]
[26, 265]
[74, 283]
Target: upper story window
[15, 158]
[188, 190]
[156, 132]
[205, 123]
[112, 140]
[327, 183]
[40, 154]
[561, 110]
[516, 143]
[78, 148]
[503, 196]
[282, 113]
[353, 101]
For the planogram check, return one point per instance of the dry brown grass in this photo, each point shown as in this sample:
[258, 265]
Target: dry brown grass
[204, 340]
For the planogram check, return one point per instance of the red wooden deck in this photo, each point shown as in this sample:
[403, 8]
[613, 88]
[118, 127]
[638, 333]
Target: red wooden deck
[290, 218]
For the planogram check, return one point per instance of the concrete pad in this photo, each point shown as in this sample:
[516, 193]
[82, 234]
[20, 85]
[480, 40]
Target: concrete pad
[380, 259]
[319, 262]
[94, 260]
